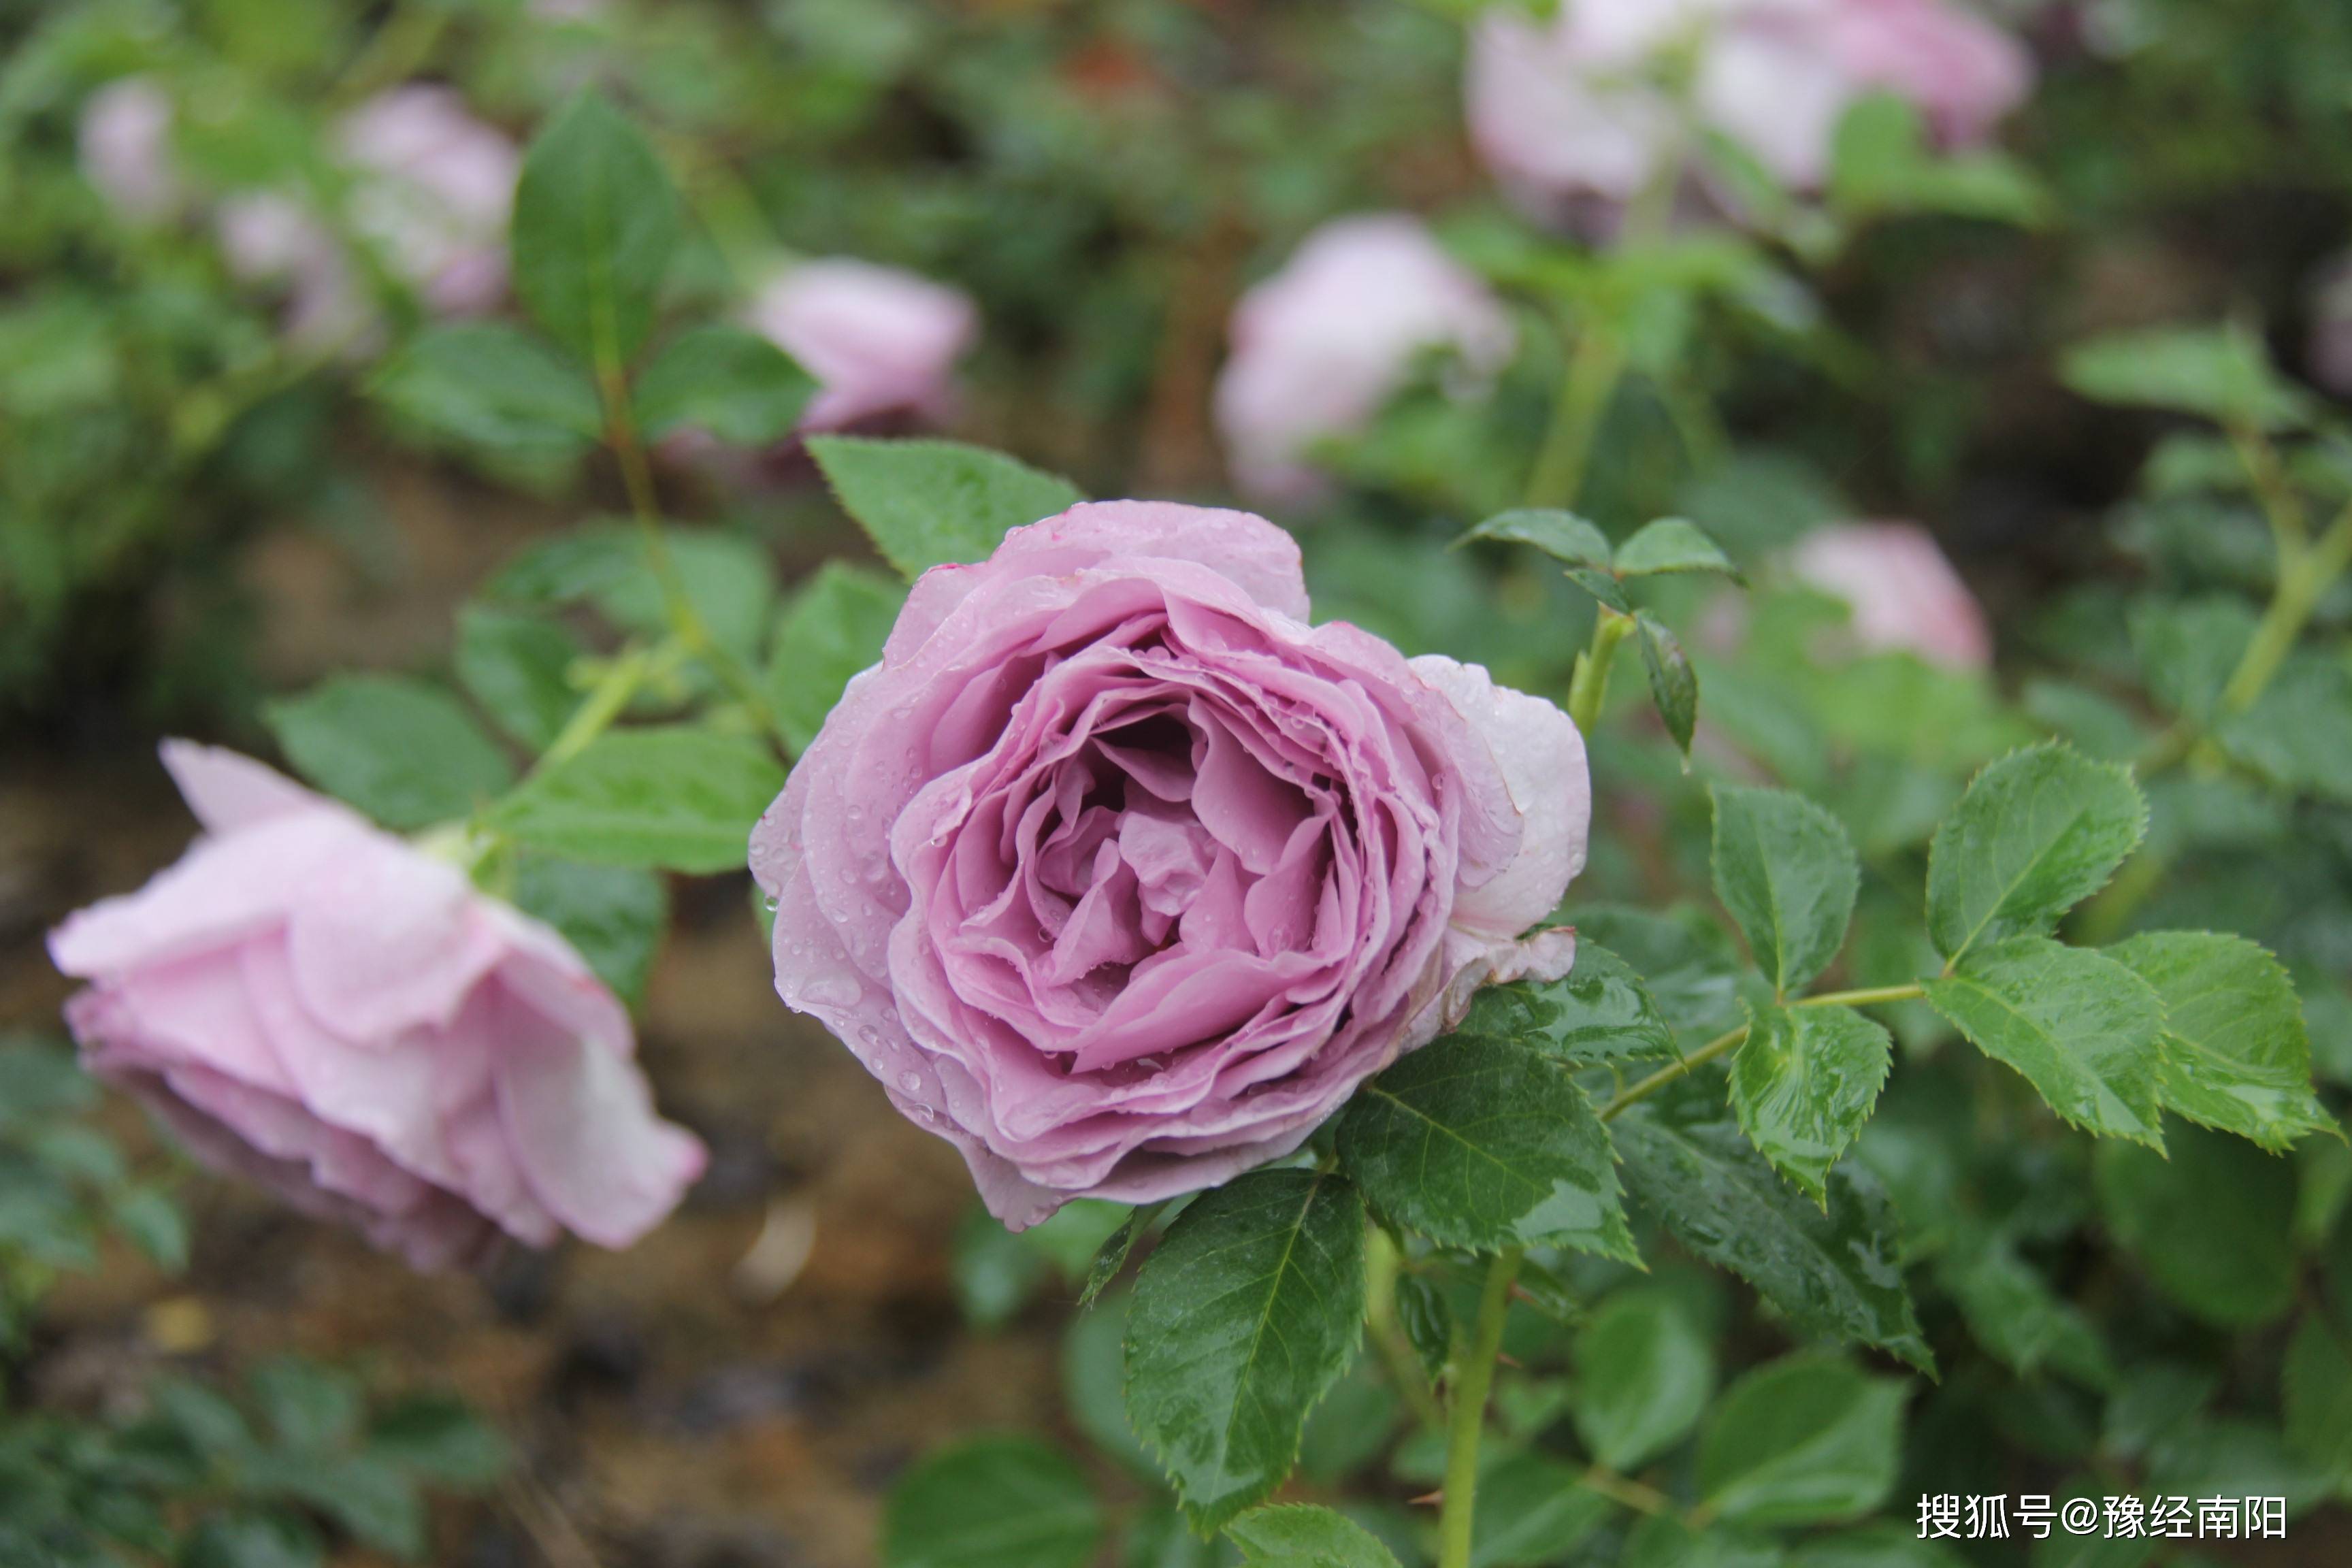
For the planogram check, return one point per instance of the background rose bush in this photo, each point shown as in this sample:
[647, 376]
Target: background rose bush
[1823, 1064]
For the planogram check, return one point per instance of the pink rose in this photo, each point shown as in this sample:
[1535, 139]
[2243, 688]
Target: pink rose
[1904, 594]
[878, 341]
[436, 189]
[311, 1002]
[1586, 106]
[270, 238]
[1120, 875]
[1320, 346]
[125, 142]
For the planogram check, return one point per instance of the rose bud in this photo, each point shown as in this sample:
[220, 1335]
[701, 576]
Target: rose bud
[1120, 875]
[1320, 346]
[880, 341]
[125, 144]
[1904, 593]
[436, 189]
[1580, 108]
[309, 1002]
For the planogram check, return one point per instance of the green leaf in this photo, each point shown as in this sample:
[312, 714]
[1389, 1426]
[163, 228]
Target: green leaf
[40, 1082]
[1246, 1313]
[517, 667]
[1688, 962]
[995, 1271]
[2187, 648]
[833, 627]
[1785, 870]
[1562, 535]
[2315, 1392]
[2210, 1221]
[1886, 1545]
[1481, 1144]
[674, 797]
[375, 1502]
[1880, 163]
[403, 752]
[1116, 1250]
[1806, 1440]
[1671, 545]
[2298, 733]
[251, 1538]
[992, 1502]
[1643, 1374]
[306, 1404]
[208, 1423]
[1664, 1540]
[733, 384]
[154, 1224]
[2037, 832]
[595, 220]
[931, 504]
[1296, 1536]
[1803, 1083]
[1093, 1377]
[2233, 1054]
[2080, 1027]
[1532, 1511]
[1833, 1271]
[494, 386]
[728, 579]
[441, 1439]
[614, 915]
[2222, 373]
[1600, 1013]
[1674, 686]
[1427, 1320]
[2014, 1313]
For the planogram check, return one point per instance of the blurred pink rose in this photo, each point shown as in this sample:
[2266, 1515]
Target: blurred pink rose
[125, 139]
[1321, 345]
[1120, 875]
[2329, 357]
[435, 190]
[270, 238]
[1904, 593]
[311, 1002]
[1585, 107]
[879, 341]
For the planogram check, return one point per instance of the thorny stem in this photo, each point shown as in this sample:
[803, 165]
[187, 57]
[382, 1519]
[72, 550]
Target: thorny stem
[637, 479]
[1473, 1378]
[1382, 1265]
[1725, 1044]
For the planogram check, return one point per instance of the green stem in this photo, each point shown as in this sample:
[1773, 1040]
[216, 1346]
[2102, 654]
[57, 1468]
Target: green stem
[605, 701]
[1585, 388]
[2303, 579]
[1722, 1045]
[1474, 1379]
[1871, 996]
[1382, 1267]
[1588, 684]
[686, 621]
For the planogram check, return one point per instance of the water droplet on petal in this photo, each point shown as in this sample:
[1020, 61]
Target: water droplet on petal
[910, 1081]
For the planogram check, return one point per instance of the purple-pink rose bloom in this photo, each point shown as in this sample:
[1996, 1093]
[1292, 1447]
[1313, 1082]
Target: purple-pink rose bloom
[1120, 875]
[1581, 108]
[879, 341]
[1321, 345]
[1904, 595]
[437, 186]
[309, 1002]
